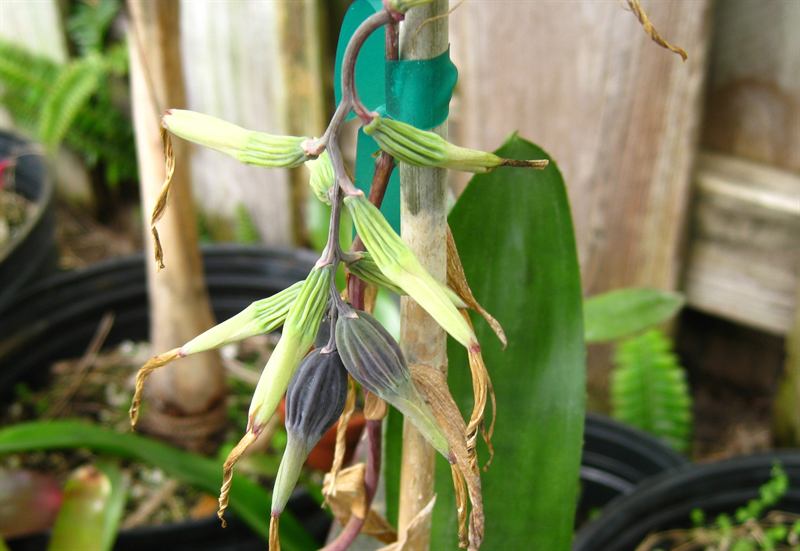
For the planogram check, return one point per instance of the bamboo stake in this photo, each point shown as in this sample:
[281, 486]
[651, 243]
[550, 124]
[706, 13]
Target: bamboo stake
[179, 304]
[424, 228]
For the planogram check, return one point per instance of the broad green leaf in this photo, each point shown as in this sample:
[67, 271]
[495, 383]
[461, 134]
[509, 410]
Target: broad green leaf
[93, 504]
[625, 312]
[250, 502]
[514, 232]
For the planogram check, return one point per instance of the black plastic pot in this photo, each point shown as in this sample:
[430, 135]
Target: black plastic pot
[31, 252]
[666, 501]
[57, 317]
[616, 458]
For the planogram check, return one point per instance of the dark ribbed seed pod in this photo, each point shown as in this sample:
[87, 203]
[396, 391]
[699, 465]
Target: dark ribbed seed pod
[374, 359]
[314, 401]
[370, 353]
[316, 395]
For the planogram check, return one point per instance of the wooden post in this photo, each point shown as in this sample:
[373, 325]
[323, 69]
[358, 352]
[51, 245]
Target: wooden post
[186, 399]
[424, 228]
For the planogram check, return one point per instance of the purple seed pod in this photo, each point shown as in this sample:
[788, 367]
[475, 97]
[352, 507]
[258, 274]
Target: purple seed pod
[316, 395]
[374, 359]
[370, 353]
[314, 401]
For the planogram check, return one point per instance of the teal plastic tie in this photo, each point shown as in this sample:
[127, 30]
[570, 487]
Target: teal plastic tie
[417, 92]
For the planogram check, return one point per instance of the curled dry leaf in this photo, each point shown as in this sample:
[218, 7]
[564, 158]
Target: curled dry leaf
[650, 29]
[457, 280]
[341, 439]
[348, 499]
[415, 535]
[432, 384]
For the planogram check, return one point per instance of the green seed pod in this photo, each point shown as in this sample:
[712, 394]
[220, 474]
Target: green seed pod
[299, 330]
[364, 267]
[374, 359]
[396, 261]
[321, 176]
[247, 146]
[262, 316]
[314, 401]
[427, 149]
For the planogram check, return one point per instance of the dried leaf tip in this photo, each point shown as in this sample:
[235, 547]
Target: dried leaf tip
[650, 29]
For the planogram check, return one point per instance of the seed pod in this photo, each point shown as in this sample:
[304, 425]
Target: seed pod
[262, 316]
[247, 146]
[299, 331]
[314, 401]
[374, 359]
[427, 149]
[321, 176]
[365, 268]
[401, 267]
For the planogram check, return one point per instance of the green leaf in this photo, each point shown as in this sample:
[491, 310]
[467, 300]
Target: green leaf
[249, 501]
[514, 232]
[625, 312]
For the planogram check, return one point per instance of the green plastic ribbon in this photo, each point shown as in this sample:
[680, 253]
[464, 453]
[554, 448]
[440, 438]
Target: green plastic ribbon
[414, 91]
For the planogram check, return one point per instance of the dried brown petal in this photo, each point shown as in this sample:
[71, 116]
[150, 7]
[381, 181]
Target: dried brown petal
[227, 472]
[482, 389]
[274, 540]
[457, 280]
[375, 409]
[650, 29]
[460, 487]
[141, 376]
[341, 434]
[432, 384]
[161, 202]
[415, 535]
[347, 498]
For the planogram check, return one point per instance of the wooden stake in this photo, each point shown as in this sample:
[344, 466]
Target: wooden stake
[179, 304]
[424, 228]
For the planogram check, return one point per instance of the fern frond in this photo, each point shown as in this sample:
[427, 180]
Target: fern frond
[71, 92]
[89, 24]
[649, 389]
[100, 132]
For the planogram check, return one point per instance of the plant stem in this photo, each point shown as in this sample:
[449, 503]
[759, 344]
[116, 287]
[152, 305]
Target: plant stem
[384, 166]
[424, 229]
[349, 95]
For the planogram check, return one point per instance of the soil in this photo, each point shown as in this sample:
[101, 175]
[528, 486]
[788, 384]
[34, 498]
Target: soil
[14, 211]
[100, 389]
[746, 536]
